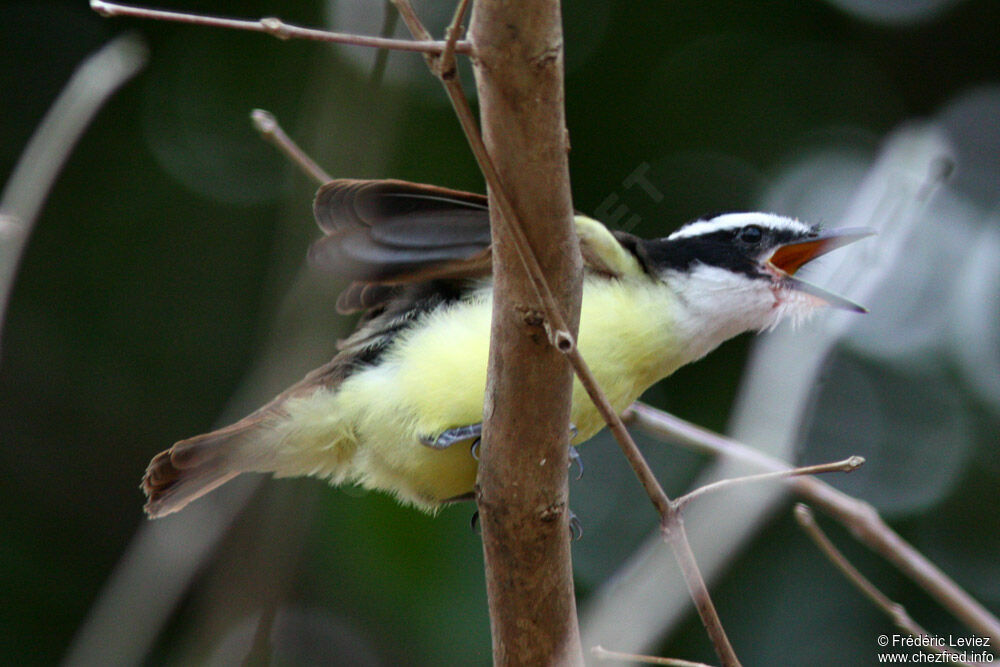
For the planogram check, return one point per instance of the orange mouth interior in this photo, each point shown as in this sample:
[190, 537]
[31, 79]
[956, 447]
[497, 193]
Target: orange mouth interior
[790, 258]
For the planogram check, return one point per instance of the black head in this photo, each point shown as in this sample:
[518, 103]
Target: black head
[765, 248]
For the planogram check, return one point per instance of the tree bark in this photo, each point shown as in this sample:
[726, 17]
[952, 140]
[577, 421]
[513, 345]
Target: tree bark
[522, 490]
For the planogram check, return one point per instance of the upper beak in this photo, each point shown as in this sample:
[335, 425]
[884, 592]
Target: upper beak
[787, 259]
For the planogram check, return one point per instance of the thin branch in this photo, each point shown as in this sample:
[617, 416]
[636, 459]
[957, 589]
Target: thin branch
[602, 653]
[631, 451]
[900, 618]
[895, 611]
[277, 28]
[847, 465]
[858, 516]
[265, 123]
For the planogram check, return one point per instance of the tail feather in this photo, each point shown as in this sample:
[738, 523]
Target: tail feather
[195, 466]
[192, 468]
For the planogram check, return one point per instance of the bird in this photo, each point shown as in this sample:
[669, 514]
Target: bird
[392, 409]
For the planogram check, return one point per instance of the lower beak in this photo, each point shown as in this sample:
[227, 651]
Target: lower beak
[789, 258]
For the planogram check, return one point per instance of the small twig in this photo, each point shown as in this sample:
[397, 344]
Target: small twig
[895, 611]
[858, 516]
[412, 21]
[847, 465]
[602, 653]
[446, 67]
[277, 28]
[807, 520]
[265, 123]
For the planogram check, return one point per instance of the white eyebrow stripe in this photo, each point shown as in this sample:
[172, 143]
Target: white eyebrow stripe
[731, 221]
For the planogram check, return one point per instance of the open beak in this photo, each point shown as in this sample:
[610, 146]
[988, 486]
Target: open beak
[787, 259]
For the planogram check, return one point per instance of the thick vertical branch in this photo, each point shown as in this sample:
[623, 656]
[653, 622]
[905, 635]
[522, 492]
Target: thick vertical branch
[522, 490]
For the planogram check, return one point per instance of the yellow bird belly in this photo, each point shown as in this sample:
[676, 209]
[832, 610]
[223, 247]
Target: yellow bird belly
[433, 378]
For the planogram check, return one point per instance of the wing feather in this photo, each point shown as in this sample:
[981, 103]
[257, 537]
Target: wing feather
[383, 234]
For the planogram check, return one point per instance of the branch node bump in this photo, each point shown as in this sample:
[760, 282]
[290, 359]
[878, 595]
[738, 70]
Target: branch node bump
[563, 340]
[546, 57]
[275, 26]
[552, 512]
[533, 317]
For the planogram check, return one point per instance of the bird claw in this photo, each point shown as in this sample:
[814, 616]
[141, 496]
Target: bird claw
[575, 527]
[574, 457]
[450, 436]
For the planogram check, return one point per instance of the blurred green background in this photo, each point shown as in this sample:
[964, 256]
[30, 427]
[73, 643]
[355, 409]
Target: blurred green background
[164, 291]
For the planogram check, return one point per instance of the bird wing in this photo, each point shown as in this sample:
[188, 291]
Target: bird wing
[407, 248]
[383, 234]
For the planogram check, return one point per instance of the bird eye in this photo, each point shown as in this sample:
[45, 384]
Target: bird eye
[751, 234]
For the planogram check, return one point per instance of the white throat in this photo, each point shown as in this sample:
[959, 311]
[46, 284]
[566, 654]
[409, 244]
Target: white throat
[715, 305]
